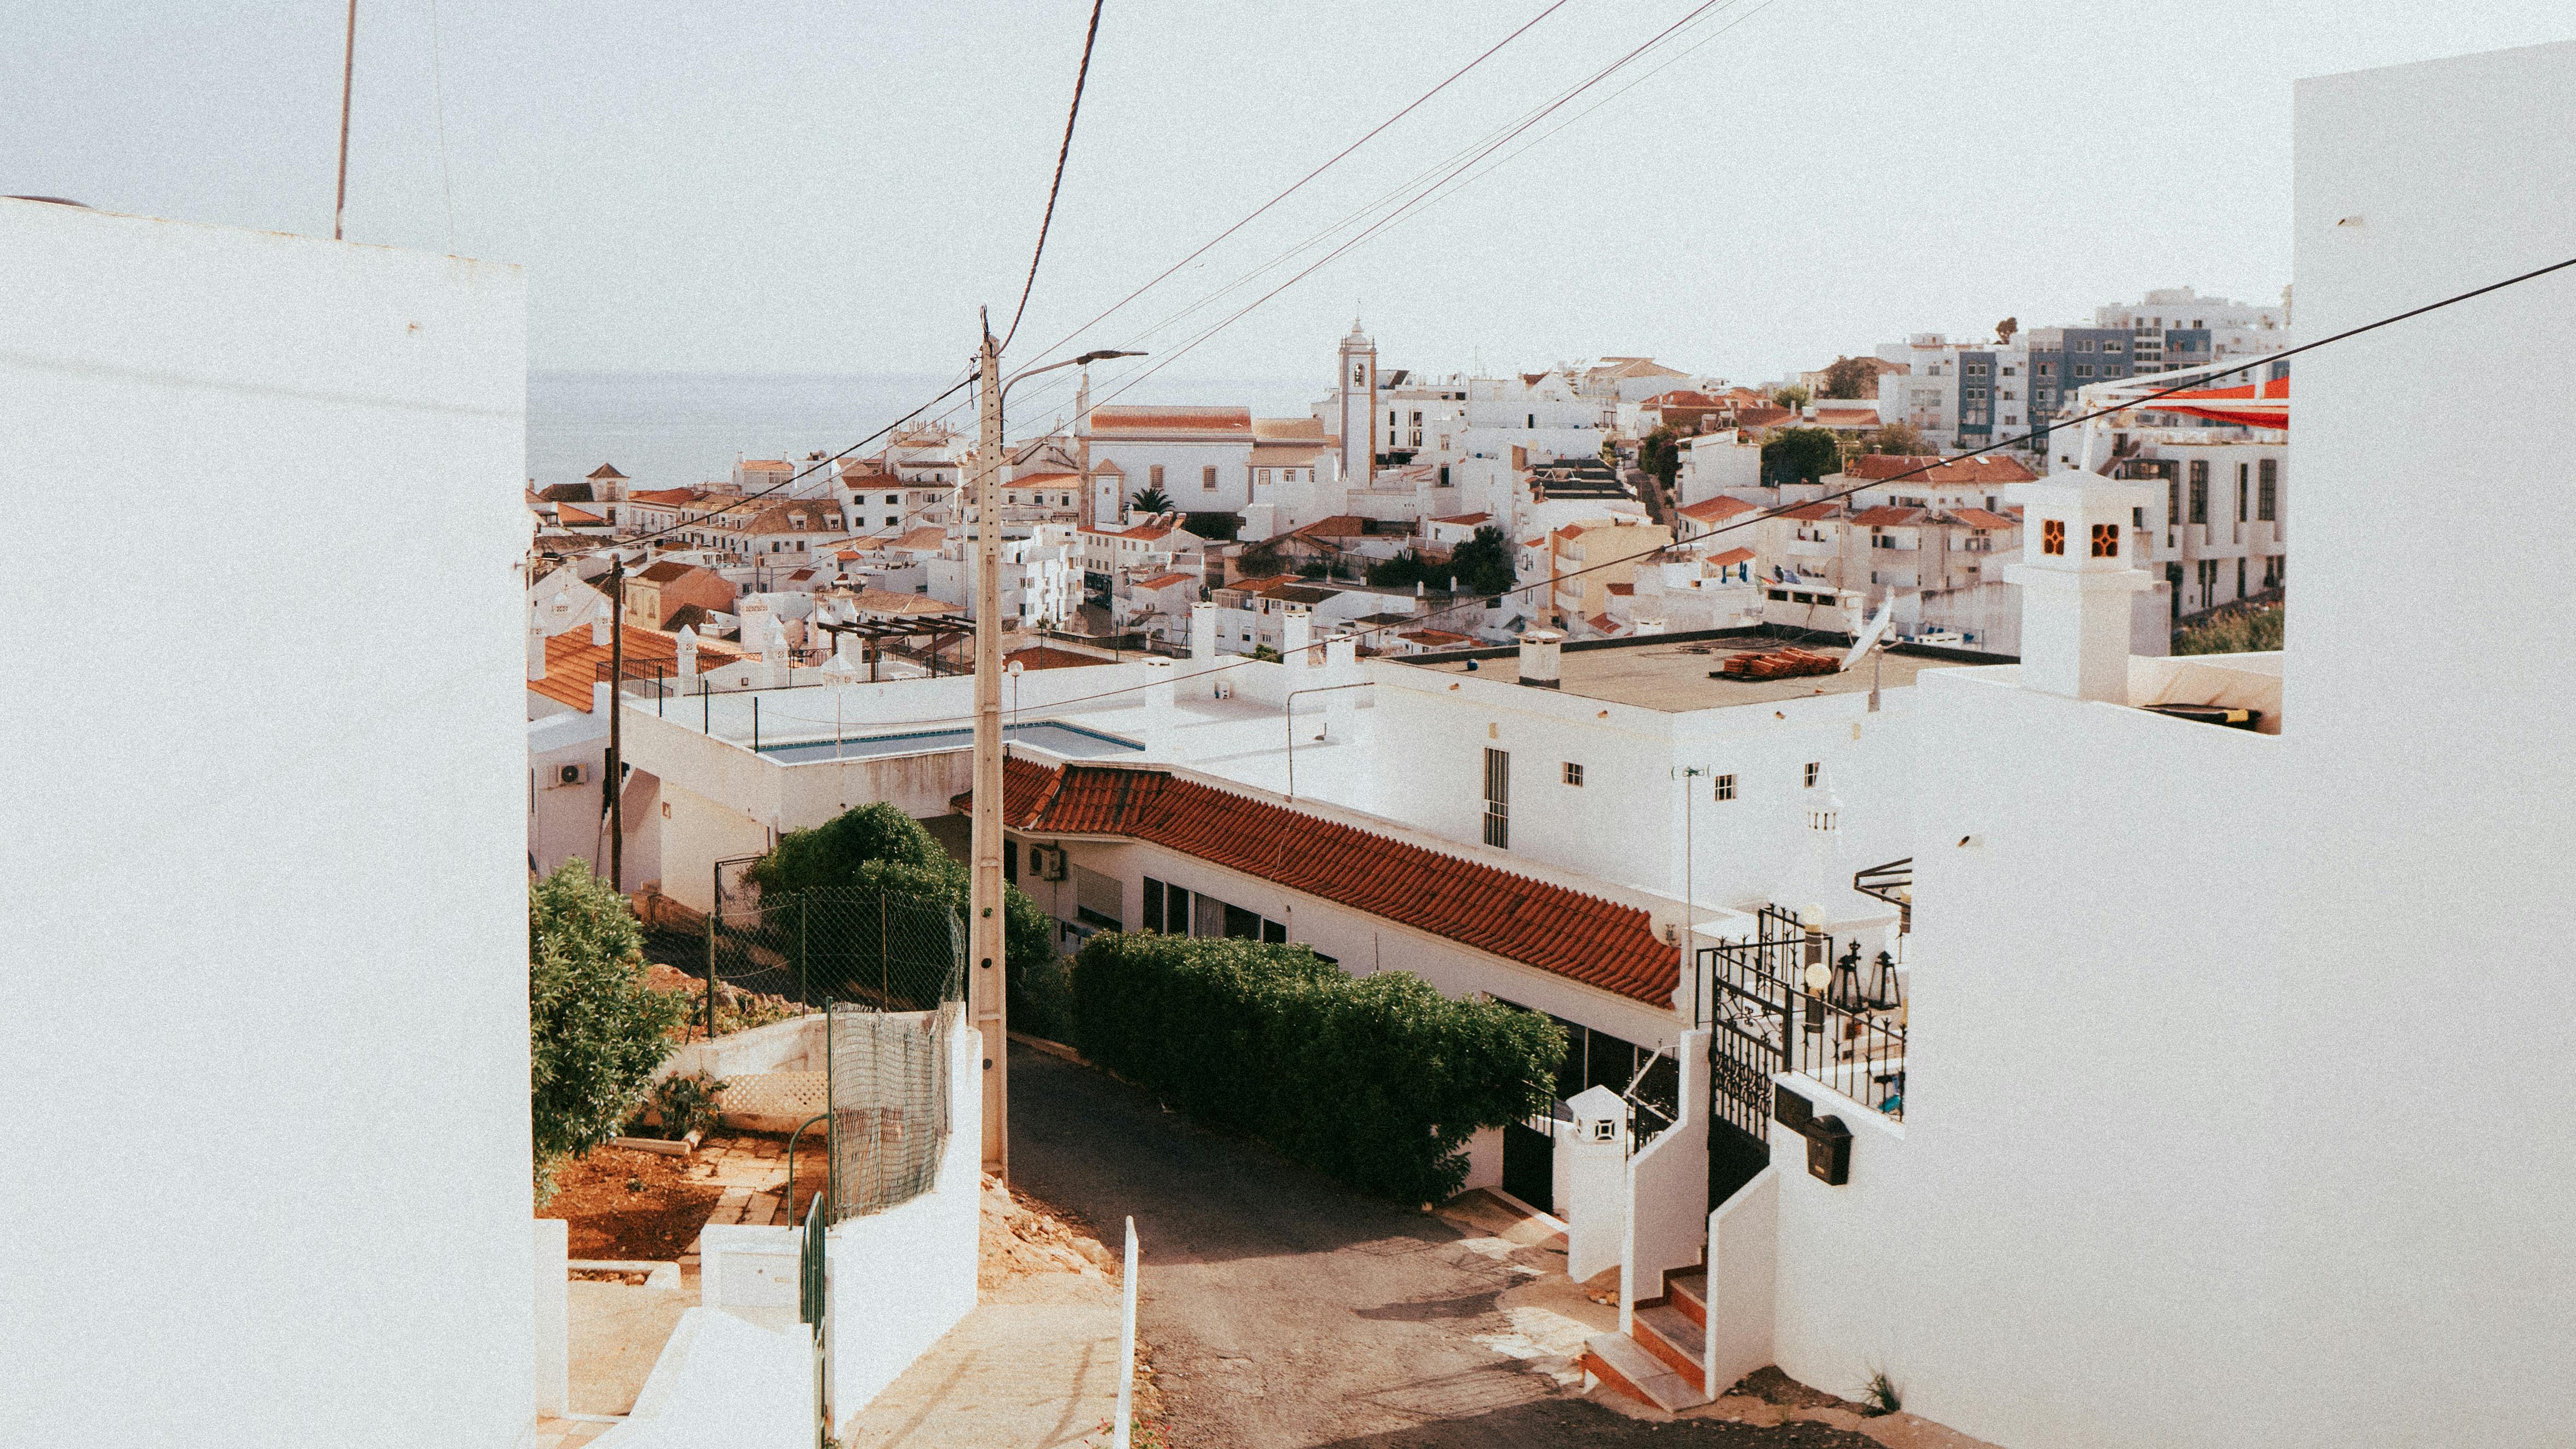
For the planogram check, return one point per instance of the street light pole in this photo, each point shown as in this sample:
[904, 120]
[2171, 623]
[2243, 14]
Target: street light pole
[616, 756]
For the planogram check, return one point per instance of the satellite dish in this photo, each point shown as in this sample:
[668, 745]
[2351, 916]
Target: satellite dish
[1871, 637]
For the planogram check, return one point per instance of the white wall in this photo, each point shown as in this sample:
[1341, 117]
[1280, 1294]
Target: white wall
[901, 1278]
[2425, 1196]
[300, 906]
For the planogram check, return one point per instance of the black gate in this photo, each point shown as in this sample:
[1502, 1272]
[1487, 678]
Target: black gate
[1747, 1010]
[1529, 1165]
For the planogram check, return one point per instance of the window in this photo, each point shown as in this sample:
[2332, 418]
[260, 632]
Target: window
[2106, 540]
[2267, 490]
[2083, 369]
[2138, 519]
[1096, 900]
[1533, 420]
[1207, 478]
[2108, 346]
[2173, 499]
[1573, 774]
[1498, 799]
[1815, 768]
[2199, 490]
[1261, 476]
[2084, 345]
[2052, 536]
[2047, 369]
[1725, 787]
[1154, 476]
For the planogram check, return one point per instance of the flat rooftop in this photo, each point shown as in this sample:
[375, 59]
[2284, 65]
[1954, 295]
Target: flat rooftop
[1674, 676]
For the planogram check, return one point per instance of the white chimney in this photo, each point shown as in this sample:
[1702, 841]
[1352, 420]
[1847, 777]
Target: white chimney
[687, 644]
[1161, 707]
[1539, 649]
[1341, 659]
[599, 627]
[1203, 631]
[536, 646]
[2078, 579]
[1296, 633]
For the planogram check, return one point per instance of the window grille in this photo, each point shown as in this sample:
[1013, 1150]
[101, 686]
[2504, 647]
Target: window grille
[1498, 799]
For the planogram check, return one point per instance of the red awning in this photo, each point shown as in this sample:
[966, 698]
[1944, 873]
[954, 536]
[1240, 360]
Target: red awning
[2254, 405]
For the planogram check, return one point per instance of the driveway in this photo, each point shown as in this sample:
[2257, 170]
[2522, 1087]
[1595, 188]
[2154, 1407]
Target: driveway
[1287, 1313]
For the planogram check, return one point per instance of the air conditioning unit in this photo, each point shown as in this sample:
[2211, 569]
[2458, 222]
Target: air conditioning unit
[572, 774]
[1050, 862]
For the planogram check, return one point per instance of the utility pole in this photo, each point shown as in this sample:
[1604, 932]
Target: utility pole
[616, 757]
[986, 993]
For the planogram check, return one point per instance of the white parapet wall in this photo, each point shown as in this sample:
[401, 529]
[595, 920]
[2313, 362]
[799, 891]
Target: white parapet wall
[725, 1381]
[902, 1277]
[1743, 1280]
[267, 855]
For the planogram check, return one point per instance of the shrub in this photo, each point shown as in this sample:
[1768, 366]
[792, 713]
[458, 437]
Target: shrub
[878, 847]
[595, 1030]
[687, 1104]
[1376, 1080]
[1042, 1000]
[2254, 630]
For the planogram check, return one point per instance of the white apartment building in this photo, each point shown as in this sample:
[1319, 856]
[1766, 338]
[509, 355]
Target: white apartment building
[2176, 327]
[1962, 397]
[2215, 523]
[1040, 582]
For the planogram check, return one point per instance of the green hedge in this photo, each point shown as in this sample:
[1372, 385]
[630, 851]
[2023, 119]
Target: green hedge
[1376, 1080]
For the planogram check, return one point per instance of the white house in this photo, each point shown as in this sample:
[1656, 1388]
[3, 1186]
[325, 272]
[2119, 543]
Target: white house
[1198, 457]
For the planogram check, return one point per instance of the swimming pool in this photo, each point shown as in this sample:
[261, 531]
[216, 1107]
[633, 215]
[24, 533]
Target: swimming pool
[1053, 736]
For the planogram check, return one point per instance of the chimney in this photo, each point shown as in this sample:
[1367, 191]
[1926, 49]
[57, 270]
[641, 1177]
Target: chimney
[1296, 632]
[1341, 656]
[1539, 658]
[536, 646]
[2078, 579]
[599, 627]
[1203, 631]
[688, 648]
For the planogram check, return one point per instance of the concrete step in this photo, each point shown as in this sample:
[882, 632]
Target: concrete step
[1668, 1334]
[1689, 1293]
[1621, 1364]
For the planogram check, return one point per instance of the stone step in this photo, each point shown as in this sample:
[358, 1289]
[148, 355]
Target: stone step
[1668, 1334]
[1621, 1364]
[1689, 1293]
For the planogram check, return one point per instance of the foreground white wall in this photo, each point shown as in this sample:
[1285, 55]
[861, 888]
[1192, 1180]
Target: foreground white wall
[273, 868]
[2427, 1274]
[901, 1278]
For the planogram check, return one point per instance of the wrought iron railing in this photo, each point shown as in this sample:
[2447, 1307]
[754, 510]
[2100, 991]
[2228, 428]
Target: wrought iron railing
[1785, 1001]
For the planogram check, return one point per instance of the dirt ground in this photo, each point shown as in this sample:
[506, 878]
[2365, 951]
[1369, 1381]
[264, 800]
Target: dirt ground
[627, 1204]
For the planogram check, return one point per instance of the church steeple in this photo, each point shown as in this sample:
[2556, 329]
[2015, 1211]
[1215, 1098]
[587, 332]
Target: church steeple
[1356, 388]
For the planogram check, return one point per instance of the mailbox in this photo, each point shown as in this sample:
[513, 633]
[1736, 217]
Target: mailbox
[1829, 1151]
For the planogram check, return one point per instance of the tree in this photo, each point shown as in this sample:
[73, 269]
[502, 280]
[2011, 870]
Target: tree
[1659, 453]
[1402, 571]
[1899, 438]
[596, 1031]
[1792, 396]
[1851, 377]
[2005, 329]
[1259, 561]
[1800, 455]
[878, 847]
[1483, 564]
[1150, 500]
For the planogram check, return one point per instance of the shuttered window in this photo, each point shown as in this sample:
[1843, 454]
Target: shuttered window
[1498, 799]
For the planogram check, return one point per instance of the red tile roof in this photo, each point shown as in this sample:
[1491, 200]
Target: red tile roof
[1464, 519]
[1886, 515]
[1716, 510]
[1025, 479]
[572, 661]
[1733, 556]
[1959, 471]
[606, 470]
[1579, 936]
[1763, 417]
[666, 497]
[1217, 422]
[1807, 512]
[1042, 656]
[1846, 417]
[1165, 581]
[1980, 518]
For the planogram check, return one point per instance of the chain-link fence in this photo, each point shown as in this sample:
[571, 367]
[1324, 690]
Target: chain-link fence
[885, 952]
[890, 1103]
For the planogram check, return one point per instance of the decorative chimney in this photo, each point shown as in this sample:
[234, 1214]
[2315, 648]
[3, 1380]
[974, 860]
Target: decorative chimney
[1539, 649]
[687, 644]
[1296, 633]
[2077, 578]
[536, 646]
[599, 627]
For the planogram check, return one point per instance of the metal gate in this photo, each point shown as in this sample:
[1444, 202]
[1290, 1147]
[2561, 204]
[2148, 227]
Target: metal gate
[813, 1307]
[1747, 1010]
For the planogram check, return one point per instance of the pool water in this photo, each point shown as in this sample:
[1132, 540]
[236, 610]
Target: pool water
[1072, 741]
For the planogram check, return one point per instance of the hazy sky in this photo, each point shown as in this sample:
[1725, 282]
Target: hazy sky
[828, 187]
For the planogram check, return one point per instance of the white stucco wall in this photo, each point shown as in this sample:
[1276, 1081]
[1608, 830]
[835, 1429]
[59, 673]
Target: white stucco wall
[2424, 1194]
[286, 885]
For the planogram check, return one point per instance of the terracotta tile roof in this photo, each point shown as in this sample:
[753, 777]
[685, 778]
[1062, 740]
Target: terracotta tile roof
[1025, 479]
[1340, 525]
[1717, 510]
[1466, 520]
[1887, 515]
[1685, 398]
[667, 570]
[1959, 472]
[1846, 417]
[1762, 417]
[1212, 421]
[886, 601]
[927, 536]
[1623, 590]
[1042, 656]
[1807, 512]
[665, 497]
[1286, 455]
[1165, 581]
[1288, 430]
[572, 661]
[1980, 518]
[1435, 636]
[771, 464]
[567, 493]
[571, 517]
[1482, 906]
[606, 470]
[1734, 556]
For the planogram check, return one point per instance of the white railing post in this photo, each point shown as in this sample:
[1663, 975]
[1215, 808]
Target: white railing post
[1127, 1348]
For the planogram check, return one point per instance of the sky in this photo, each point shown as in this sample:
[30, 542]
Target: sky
[803, 187]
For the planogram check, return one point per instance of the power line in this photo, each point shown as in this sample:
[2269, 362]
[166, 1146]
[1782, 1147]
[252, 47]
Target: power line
[1072, 113]
[1330, 162]
[438, 104]
[1761, 515]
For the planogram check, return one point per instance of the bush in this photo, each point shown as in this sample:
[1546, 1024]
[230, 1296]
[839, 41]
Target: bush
[687, 1104]
[2240, 631]
[595, 1030]
[879, 848]
[1376, 1080]
[1042, 1000]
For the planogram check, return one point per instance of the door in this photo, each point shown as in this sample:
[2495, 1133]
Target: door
[1529, 1166]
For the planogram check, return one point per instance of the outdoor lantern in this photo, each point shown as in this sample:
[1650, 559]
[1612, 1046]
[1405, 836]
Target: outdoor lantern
[1829, 1151]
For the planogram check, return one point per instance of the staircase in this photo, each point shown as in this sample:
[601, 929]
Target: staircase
[1662, 1358]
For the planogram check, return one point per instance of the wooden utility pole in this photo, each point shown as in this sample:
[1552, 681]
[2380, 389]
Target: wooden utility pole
[616, 756]
[986, 990]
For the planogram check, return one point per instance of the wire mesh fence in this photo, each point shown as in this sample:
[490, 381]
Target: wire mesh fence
[890, 1103]
[885, 952]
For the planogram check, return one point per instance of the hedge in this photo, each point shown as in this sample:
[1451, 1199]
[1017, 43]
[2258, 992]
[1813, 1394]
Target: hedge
[1377, 1080]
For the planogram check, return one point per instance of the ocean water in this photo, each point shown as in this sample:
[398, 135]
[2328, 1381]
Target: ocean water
[675, 429]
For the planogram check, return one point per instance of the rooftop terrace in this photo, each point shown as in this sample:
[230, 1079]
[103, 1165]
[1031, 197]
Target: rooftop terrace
[1673, 675]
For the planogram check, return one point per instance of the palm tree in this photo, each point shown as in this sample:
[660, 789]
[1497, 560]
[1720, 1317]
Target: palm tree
[1151, 500]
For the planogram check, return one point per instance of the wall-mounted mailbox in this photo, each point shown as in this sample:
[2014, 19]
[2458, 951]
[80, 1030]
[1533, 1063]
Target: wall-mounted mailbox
[1829, 1151]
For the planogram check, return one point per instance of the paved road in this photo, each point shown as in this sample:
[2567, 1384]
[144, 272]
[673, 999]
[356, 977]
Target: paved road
[1287, 1313]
